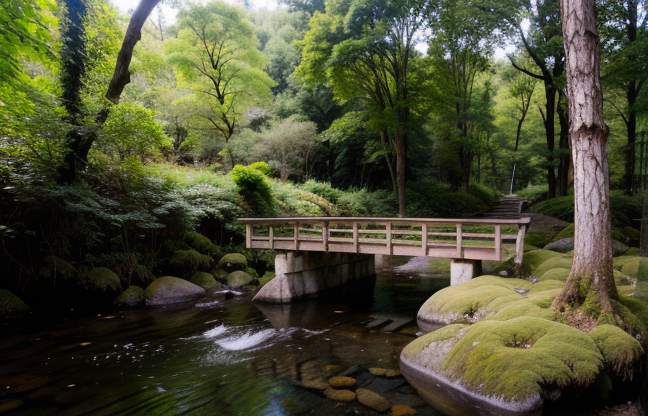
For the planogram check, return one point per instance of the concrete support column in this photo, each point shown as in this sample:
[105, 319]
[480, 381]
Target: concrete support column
[463, 270]
[301, 274]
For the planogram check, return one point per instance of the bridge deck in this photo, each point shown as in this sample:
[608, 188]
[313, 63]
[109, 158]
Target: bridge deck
[470, 239]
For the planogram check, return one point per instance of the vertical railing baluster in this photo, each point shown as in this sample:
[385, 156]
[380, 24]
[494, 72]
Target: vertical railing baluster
[325, 236]
[388, 231]
[248, 235]
[519, 244]
[498, 242]
[459, 241]
[424, 239]
[356, 244]
[271, 237]
[296, 235]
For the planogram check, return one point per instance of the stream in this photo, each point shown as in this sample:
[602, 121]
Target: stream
[217, 357]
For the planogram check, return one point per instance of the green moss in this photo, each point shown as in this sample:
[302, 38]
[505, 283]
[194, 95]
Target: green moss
[515, 359]
[239, 279]
[202, 244]
[621, 352]
[102, 279]
[641, 292]
[621, 261]
[553, 263]
[205, 280]
[61, 267]
[632, 251]
[566, 232]
[190, 260]
[10, 304]
[538, 239]
[638, 268]
[266, 278]
[561, 274]
[232, 262]
[441, 334]
[132, 296]
[533, 259]
[637, 307]
[631, 233]
[252, 272]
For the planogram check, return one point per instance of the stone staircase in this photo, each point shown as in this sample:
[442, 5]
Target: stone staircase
[507, 207]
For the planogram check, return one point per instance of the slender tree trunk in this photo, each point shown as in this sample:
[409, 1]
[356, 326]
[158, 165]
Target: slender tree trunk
[591, 279]
[643, 239]
[550, 132]
[631, 125]
[401, 155]
[564, 156]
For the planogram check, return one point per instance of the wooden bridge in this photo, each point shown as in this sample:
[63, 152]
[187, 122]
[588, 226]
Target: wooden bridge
[466, 241]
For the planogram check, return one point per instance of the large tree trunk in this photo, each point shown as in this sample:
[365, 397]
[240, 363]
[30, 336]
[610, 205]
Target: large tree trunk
[81, 142]
[591, 282]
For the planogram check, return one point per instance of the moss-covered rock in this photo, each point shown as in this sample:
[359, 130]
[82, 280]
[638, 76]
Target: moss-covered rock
[232, 262]
[533, 259]
[636, 267]
[239, 279]
[267, 276]
[632, 251]
[538, 239]
[132, 296]
[566, 232]
[103, 281]
[60, 267]
[190, 260]
[553, 263]
[11, 304]
[564, 245]
[202, 244]
[168, 289]
[206, 281]
[485, 296]
[560, 274]
[514, 363]
[621, 352]
[252, 272]
[632, 235]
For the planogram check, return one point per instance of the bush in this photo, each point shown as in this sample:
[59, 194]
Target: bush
[253, 186]
[323, 189]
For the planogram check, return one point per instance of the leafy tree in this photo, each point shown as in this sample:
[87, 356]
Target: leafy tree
[371, 46]
[216, 53]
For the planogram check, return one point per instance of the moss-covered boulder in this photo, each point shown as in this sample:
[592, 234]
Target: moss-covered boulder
[636, 267]
[104, 281]
[252, 272]
[11, 304]
[59, 267]
[132, 296]
[621, 352]
[206, 281]
[168, 290]
[486, 296]
[566, 232]
[513, 364]
[232, 262]
[190, 260]
[535, 258]
[553, 263]
[267, 276]
[239, 279]
[560, 274]
[201, 244]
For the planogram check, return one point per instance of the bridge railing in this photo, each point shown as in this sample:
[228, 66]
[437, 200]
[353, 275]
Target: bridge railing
[471, 239]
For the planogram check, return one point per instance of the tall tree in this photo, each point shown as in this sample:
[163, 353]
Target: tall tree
[81, 141]
[371, 47]
[216, 53]
[625, 40]
[591, 281]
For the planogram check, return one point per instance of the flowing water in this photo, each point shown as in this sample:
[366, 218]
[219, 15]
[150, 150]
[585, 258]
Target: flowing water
[217, 357]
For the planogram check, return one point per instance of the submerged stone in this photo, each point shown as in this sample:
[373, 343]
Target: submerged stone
[402, 410]
[342, 381]
[168, 289]
[340, 395]
[372, 400]
[206, 281]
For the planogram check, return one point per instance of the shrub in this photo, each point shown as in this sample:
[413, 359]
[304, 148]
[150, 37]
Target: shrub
[253, 186]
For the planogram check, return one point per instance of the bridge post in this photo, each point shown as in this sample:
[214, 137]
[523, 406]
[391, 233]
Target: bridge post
[304, 274]
[462, 270]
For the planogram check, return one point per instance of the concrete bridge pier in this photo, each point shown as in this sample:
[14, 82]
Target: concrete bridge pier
[462, 270]
[304, 274]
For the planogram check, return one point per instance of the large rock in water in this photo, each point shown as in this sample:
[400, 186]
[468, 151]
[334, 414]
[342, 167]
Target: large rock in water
[239, 279]
[167, 290]
[10, 304]
[206, 281]
[232, 262]
[132, 296]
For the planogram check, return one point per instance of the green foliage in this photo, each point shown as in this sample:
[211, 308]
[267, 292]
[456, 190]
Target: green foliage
[431, 199]
[323, 189]
[623, 209]
[131, 131]
[201, 244]
[262, 167]
[189, 261]
[253, 186]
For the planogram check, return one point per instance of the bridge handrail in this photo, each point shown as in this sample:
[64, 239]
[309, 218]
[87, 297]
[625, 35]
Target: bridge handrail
[387, 244]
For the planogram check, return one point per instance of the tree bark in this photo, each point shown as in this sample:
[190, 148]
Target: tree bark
[81, 142]
[591, 281]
